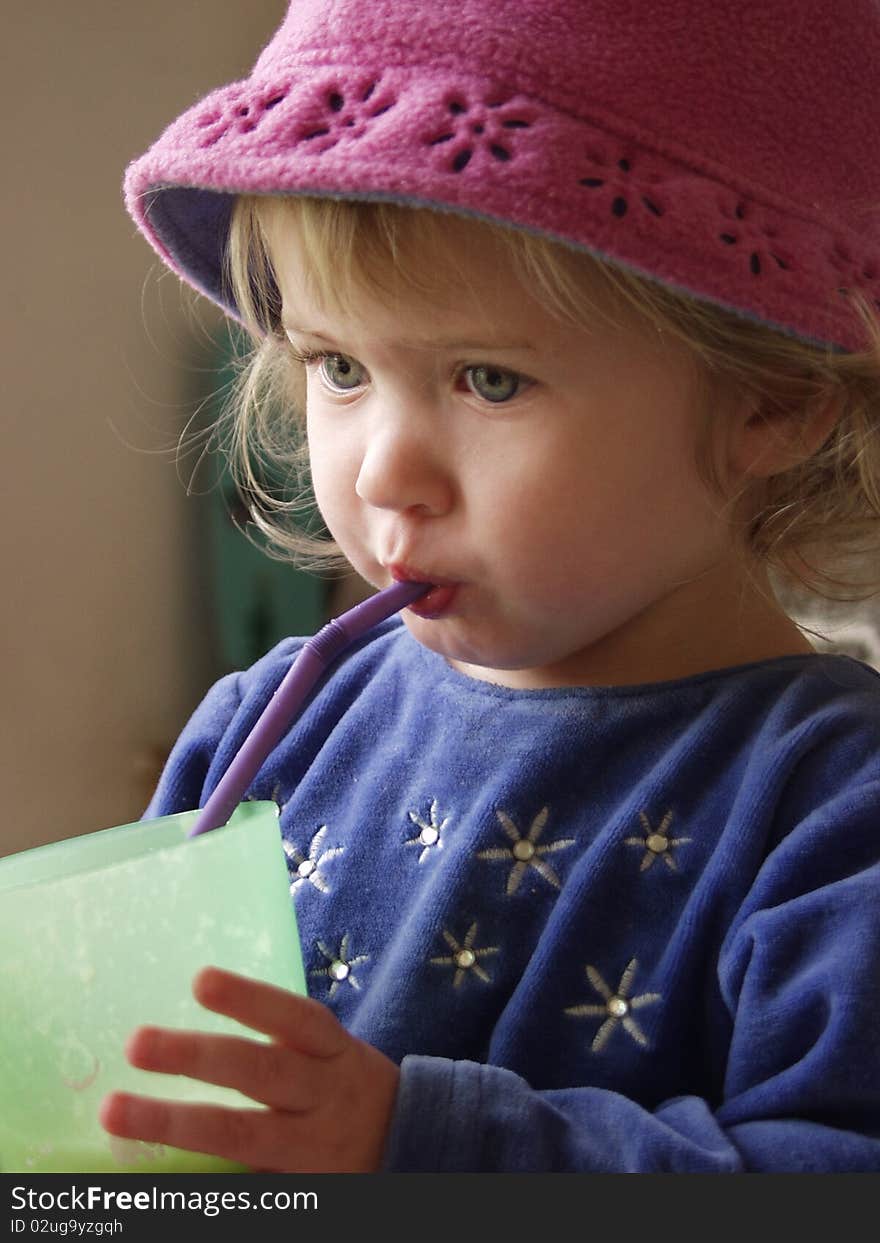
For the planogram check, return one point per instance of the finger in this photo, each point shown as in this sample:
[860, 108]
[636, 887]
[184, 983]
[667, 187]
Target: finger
[296, 1021]
[249, 1137]
[270, 1074]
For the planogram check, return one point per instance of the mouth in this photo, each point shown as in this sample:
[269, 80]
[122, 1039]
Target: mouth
[433, 603]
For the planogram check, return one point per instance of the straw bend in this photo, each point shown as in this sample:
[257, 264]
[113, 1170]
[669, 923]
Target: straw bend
[284, 706]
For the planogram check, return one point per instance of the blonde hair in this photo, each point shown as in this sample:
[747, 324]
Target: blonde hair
[804, 524]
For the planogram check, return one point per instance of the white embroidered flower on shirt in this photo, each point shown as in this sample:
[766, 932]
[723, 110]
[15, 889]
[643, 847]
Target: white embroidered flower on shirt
[340, 965]
[656, 843]
[617, 1007]
[307, 867]
[525, 853]
[430, 835]
[465, 957]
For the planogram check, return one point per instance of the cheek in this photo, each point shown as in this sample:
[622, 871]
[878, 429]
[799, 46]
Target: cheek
[600, 505]
[333, 468]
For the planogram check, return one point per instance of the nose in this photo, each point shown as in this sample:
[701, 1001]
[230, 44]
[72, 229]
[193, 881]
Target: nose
[404, 466]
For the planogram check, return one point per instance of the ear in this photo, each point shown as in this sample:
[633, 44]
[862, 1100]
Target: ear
[768, 441]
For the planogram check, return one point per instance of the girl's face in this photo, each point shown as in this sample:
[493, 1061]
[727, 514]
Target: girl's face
[542, 474]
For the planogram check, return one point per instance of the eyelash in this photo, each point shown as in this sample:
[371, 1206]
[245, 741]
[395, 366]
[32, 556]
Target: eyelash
[311, 357]
[308, 357]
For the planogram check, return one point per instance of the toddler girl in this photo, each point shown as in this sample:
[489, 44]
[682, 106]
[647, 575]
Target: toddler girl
[575, 303]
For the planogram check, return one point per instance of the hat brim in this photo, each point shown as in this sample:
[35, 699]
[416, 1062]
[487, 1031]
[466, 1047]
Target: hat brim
[338, 131]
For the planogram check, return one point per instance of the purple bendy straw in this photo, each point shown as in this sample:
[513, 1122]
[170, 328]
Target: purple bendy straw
[281, 710]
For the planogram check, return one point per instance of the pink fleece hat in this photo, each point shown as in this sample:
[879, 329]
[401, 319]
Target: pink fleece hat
[727, 148]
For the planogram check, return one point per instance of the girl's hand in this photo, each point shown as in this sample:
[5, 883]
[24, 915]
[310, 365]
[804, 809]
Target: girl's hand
[330, 1096]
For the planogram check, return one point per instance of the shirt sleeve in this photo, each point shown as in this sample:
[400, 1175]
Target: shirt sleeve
[799, 972]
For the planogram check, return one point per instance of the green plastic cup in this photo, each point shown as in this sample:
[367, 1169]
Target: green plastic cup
[104, 932]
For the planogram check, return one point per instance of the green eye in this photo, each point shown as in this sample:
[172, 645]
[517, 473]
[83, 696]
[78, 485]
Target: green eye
[341, 372]
[492, 383]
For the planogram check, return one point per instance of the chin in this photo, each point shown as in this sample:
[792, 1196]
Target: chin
[483, 652]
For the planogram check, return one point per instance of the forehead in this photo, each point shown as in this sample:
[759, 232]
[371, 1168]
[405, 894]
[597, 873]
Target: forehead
[442, 275]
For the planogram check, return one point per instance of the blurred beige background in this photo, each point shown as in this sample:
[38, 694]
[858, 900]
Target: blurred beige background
[107, 643]
[109, 638]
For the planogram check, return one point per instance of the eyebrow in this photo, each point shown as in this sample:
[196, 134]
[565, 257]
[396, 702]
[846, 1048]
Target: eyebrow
[441, 343]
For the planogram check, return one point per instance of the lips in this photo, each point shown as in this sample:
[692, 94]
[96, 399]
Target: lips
[434, 602]
[404, 573]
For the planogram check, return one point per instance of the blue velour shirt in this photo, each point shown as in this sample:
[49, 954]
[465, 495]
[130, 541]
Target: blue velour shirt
[601, 929]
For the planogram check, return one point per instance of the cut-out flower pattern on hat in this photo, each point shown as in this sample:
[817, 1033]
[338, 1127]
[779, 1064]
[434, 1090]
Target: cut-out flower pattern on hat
[525, 853]
[341, 111]
[486, 127]
[622, 192]
[465, 956]
[334, 111]
[854, 276]
[240, 112]
[617, 1007]
[743, 227]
